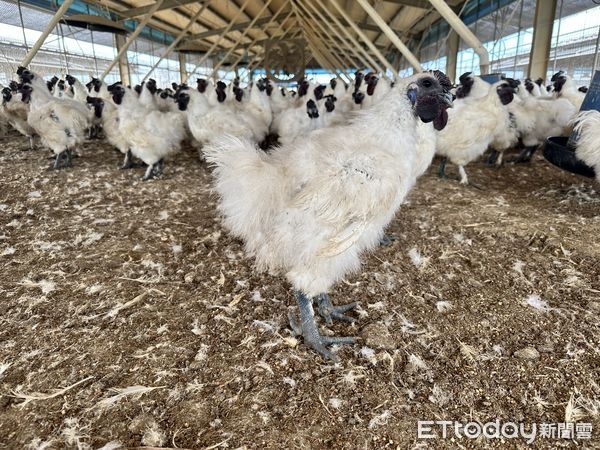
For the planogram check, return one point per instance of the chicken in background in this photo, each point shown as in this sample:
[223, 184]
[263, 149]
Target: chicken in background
[587, 126]
[310, 209]
[61, 123]
[472, 126]
[151, 135]
[15, 111]
[564, 87]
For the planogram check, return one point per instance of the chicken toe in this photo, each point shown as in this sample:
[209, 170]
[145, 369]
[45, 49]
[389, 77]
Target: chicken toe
[309, 331]
[329, 312]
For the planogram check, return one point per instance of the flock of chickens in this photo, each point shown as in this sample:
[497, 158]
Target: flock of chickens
[343, 158]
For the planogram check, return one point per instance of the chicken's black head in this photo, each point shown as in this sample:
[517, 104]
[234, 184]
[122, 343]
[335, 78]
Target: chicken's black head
[269, 88]
[25, 90]
[505, 92]
[529, 85]
[50, 83]
[112, 86]
[539, 82]
[430, 96]
[175, 86]
[333, 83]
[165, 93]
[466, 84]
[220, 90]
[202, 85]
[183, 100]
[311, 109]
[318, 91]
[549, 88]
[371, 84]
[303, 86]
[283, 92]
[138, 88]
[239, 93]
[14, 86]
[151, 86]
[70, 79]
[95, 84]
[358, 79]
[118, 92]
[6, 94]
[358, 97]
[61, 85]
[97, 103]
[583, 89]
[330, 103]
[558, 80]
[25, 75]
[512, 82]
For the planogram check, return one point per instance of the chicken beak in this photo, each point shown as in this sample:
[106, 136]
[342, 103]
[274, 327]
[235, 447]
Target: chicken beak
[412, 95]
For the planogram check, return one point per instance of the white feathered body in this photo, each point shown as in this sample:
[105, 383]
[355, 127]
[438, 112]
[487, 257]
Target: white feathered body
[311, 208]
[61, 123]
[472, 125]
[588, 144]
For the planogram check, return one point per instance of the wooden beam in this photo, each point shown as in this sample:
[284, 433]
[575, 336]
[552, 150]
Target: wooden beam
[236, 27]
[167, 4]
[421, 4]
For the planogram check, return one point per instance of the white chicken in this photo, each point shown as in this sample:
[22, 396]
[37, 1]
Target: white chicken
[472, 126]
[564, 87]
[310, 209]
[16, 111]
[151, 135]
[61, 123]
[588, 143]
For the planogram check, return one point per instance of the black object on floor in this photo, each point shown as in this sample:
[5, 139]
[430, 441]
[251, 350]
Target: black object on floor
[557, 152]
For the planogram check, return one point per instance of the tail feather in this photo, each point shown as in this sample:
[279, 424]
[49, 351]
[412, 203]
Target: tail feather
[251, 187]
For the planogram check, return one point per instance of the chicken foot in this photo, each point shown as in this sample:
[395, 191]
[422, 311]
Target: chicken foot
[128, 163]
[65, 155]
[154, 171]
[329, 312]
[308, 326]
[525, 155]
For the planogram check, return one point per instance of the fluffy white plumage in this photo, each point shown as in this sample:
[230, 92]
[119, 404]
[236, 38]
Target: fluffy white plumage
[311, 208]
[588, 144]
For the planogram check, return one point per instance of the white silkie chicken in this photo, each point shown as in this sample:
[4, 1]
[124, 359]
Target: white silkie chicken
[472, 126]
[151, 135]
[550, 116]
[310, 209]
[61, 123]
[16, 111]
[564, 87]
[588, 144]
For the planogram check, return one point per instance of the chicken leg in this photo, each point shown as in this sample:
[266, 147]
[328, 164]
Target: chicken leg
[525, 155]
[58, 160]
[128, 163]
[154, 171]
[309, 331]
[442, 169]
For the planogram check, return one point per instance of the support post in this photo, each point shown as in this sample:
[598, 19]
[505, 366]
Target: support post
[178, 38]
[182, 67]
[364, 37]
[542, 38]
[410, 57]
[465, 33]
[38, 44]
[123, 64]
[453, 43]
[132, 37]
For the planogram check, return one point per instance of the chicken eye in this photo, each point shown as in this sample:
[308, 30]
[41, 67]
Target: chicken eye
[427, 83]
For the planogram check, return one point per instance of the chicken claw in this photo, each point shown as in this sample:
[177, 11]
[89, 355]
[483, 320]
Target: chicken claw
[308, 329]
[328, 312]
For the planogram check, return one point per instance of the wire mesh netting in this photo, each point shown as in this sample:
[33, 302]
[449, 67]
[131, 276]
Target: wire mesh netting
[507, 34]
[79, 52]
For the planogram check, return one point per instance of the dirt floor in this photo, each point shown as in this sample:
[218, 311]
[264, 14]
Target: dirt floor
[130, 317]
